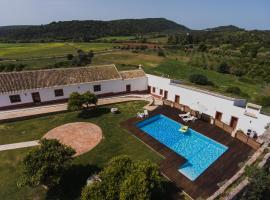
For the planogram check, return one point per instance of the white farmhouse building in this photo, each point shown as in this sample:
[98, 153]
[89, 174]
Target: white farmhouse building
[235, 112]
[28, 88]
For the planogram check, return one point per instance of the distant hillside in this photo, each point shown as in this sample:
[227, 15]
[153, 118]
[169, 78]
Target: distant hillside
[88, 30]
[229, 28]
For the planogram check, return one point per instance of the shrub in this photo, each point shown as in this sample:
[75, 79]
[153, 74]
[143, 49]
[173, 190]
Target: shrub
[234, 90]
[263, 100]
[70, 56]
[223, 68]
[199, 79]
[161, 53]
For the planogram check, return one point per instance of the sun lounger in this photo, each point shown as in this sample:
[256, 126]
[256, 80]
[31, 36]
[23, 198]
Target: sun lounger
[146, 113]
[140, 115]
[185, 115]
[190, 119]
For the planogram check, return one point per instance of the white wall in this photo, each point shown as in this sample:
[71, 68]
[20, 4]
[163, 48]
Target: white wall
[47, 94]
[210, 104]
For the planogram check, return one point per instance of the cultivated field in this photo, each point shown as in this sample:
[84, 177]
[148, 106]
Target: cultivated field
[176, 64]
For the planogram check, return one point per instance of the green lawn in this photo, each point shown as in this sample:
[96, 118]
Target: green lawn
[117, 141]
[29, 50]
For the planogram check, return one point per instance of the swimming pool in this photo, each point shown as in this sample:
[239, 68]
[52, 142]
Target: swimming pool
[199, 150]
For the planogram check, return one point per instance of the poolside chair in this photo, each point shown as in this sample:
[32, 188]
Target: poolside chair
[146, 114]
[190, 119]
[186, 115]
[140, 115]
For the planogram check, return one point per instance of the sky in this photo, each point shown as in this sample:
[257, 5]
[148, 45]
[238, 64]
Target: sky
[195, 14]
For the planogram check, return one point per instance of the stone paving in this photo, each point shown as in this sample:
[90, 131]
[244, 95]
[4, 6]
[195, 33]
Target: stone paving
[18, 145]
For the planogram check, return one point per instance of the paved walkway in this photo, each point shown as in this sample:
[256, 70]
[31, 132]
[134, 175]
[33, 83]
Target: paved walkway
[18, 145]
[33, 111]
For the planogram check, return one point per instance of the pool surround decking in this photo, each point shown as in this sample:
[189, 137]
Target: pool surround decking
[221, 170]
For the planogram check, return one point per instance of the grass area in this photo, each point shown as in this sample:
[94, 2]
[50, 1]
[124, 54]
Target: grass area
[9, 172]
[128, 58]
[159, 40]
[180, 70]
[117, 38]
[117, 141]
[29, 50]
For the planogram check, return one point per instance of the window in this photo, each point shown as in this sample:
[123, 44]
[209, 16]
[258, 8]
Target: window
[15, 98]
[59, 92]
[154, 90]
[97, 88]
[160, 92]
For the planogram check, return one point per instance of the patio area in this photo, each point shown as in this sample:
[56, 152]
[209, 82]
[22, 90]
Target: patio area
[221, 170]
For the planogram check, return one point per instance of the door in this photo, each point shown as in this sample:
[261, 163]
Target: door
[165, 94]
[233, 123]
[149, 89]
[128, 88]
[218, 116]
[36, 97]
[177, 99]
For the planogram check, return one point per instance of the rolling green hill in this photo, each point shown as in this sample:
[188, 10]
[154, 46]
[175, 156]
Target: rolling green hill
[87, 30]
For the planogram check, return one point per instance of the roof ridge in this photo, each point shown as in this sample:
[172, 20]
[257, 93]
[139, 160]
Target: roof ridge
[58, 69]
[131, 70]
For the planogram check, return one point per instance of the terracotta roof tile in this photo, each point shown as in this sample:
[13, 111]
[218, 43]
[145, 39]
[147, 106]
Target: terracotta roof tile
[25, 80]
[132, 74]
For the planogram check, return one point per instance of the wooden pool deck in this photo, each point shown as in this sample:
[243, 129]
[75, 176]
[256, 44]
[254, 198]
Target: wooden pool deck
[221, 170]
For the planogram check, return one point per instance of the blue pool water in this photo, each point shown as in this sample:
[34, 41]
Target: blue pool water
[199, 150]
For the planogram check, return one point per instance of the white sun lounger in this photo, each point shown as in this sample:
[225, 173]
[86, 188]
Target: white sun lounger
[190, 119]
[185, 115]
[146, 113]
[140, 115]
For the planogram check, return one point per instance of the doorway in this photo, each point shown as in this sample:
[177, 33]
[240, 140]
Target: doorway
[177, 99]
[218, 116]
[233, 123]
[165, 94]
[36, 97]
[128, 88]
[149, 89]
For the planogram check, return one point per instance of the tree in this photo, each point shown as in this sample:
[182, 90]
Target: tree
[78, 101]
[125, 179]
[45, 165]
[75, 101]
[143, 183]
[258, 188]
[89, 99]
[70, 56]
[202, 47]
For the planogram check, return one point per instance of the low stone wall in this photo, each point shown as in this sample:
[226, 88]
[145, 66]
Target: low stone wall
[239, 189]
[224, 126]
[249, 141]
[223, 188]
